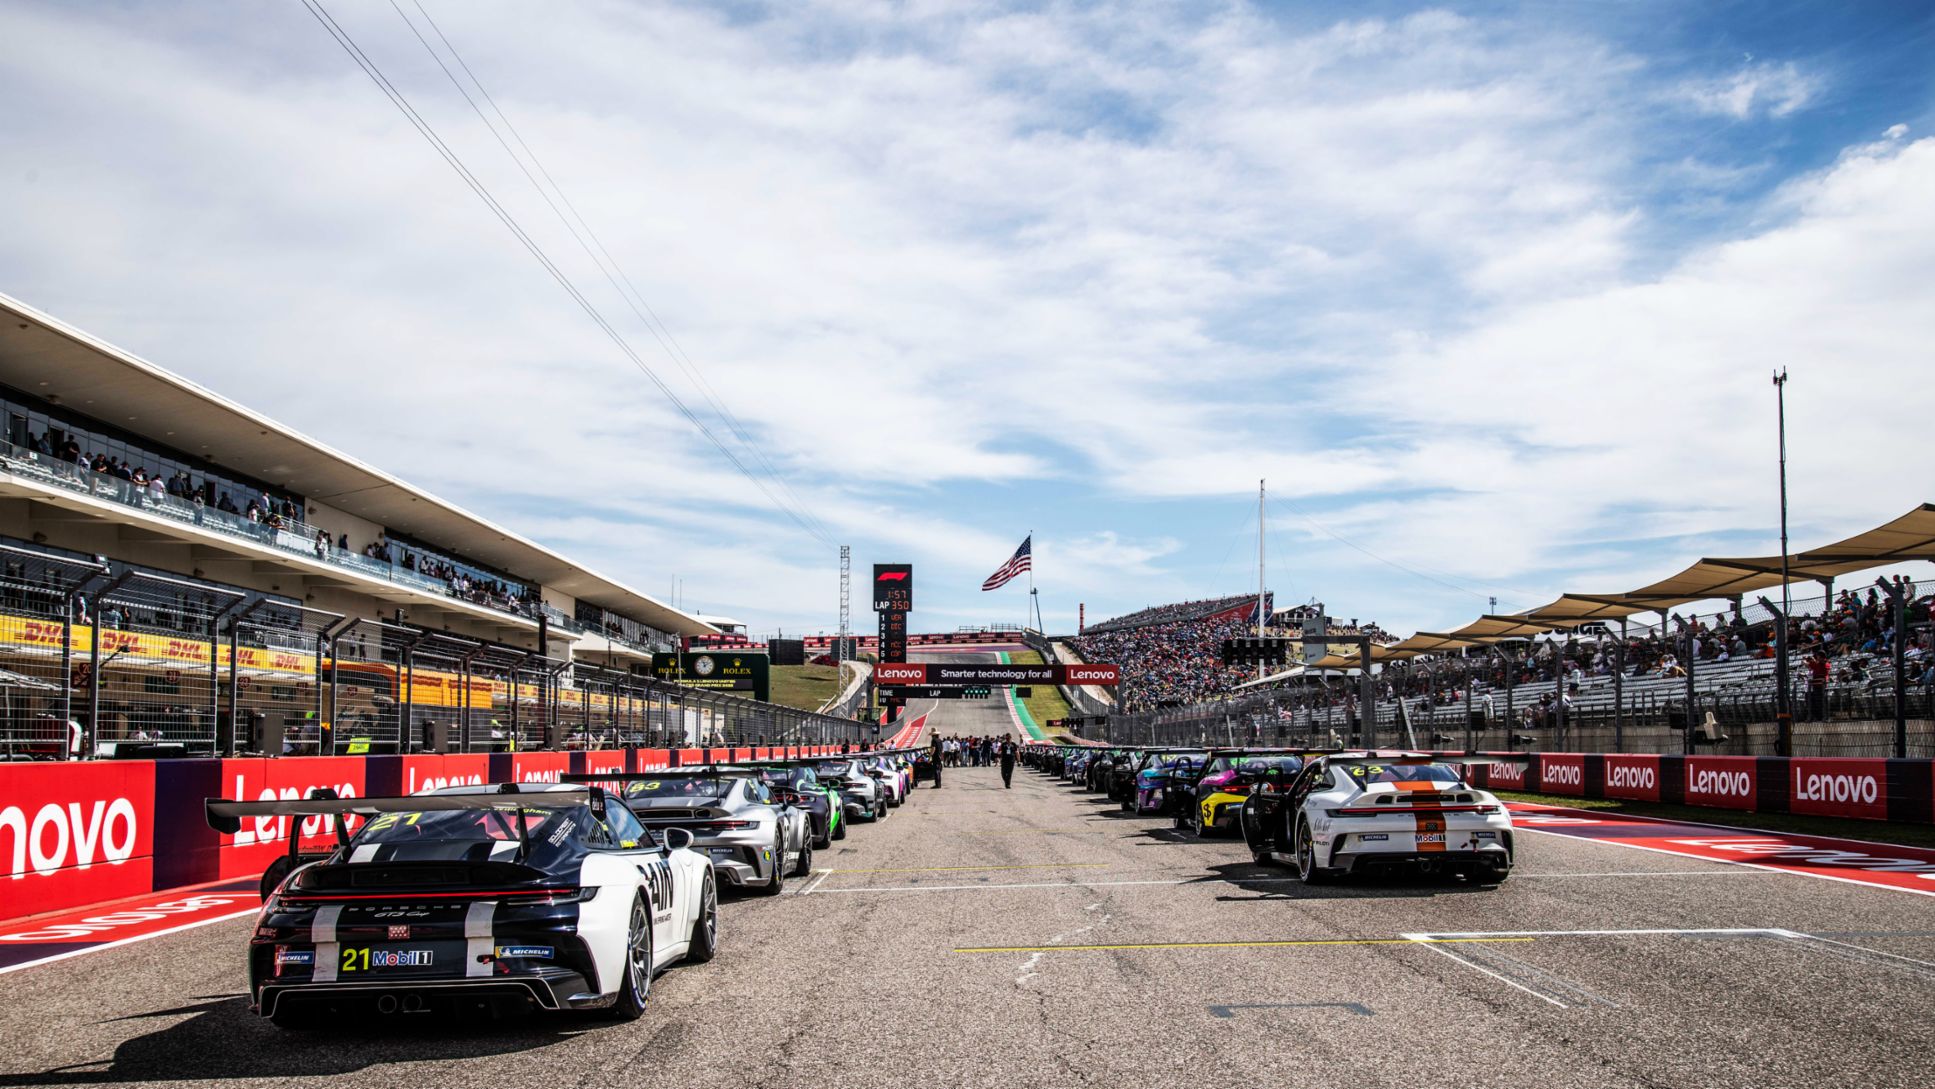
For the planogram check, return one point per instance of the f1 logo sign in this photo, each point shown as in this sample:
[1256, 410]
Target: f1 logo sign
[893, 587]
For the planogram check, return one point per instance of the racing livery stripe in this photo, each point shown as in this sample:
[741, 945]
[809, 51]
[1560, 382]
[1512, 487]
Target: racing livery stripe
[478, 941]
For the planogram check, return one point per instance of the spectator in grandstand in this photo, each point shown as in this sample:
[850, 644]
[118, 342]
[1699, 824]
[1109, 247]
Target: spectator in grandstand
[1818, 670]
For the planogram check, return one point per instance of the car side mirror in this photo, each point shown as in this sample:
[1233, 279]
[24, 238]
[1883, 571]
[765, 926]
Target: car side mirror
[677, 839]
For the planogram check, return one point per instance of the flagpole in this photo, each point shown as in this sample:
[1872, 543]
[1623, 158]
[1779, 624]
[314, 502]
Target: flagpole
[1032, 599]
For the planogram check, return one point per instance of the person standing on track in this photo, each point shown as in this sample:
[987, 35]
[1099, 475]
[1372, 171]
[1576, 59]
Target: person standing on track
[1007, 764]
[935, 746]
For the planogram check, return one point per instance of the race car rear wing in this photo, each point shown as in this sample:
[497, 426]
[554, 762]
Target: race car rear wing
[1520, 760]
[688, 771]
[226, 816]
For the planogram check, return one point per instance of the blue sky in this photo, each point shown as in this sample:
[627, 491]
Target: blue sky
[1489, 293]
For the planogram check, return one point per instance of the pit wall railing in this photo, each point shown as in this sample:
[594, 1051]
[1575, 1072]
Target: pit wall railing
[74, 834]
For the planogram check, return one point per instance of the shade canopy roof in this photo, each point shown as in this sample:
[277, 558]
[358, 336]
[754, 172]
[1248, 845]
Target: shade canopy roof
[1909, 537]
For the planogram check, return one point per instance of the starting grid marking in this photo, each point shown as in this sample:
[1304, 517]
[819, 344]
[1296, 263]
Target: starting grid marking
[1855, 862]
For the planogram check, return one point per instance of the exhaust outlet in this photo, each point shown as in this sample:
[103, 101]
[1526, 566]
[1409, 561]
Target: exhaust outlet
[386, 1004]
[412, 1003]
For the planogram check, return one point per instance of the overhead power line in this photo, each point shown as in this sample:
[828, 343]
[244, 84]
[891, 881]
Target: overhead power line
[798, 515]
[601, 256]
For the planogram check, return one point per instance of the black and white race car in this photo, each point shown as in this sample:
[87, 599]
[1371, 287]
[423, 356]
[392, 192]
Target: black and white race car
[1346, 813]
[475, 897]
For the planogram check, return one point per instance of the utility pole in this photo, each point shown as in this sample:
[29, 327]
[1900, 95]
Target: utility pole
[1783, 695]
[1261, 618]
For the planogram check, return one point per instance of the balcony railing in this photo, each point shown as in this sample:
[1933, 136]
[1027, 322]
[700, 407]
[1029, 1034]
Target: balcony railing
[292, 536]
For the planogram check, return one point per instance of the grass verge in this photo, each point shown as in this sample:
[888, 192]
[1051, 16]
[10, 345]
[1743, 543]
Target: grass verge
[1047, 701]
[805, 687]
[1910, 835]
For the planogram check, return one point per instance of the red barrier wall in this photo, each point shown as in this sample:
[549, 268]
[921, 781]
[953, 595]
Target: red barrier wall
[1634, 778]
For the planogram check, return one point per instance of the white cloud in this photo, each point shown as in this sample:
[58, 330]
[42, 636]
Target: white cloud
[1772, 90]
[1131, 251]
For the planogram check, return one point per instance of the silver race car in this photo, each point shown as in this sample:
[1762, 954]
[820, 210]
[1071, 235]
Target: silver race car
[862, 795]
[1349, 813]
[468, 898]
[755, 840]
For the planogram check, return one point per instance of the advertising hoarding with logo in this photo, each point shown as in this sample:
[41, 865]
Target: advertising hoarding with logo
[734, 671]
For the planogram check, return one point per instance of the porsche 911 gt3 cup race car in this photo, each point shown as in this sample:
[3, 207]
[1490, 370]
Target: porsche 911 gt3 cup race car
[1225, 782]
[1160, 768]
[755, 841]
[1355, 812]
[799, 785]
[863, 796]
[474, 897]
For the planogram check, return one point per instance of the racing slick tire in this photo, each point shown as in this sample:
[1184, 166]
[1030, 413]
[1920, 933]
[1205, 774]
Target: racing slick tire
[1307, 869]
[841, 832]
[704, 944]
[822, 842]
[805, 868]
[636, 989]
[778, 884]
[1203, 831]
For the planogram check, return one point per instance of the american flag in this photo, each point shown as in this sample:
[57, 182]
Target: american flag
[1022, 560]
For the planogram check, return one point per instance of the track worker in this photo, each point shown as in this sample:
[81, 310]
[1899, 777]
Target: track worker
[936, 747]
[1007, 764]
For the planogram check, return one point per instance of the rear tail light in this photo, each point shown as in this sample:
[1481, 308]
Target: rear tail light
[556, 896]
[724, 826]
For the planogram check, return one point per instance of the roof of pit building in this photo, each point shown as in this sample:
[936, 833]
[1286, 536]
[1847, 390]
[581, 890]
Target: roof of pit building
[44, 356]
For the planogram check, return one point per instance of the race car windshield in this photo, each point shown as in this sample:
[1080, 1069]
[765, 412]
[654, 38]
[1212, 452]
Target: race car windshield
[455, 825]
[1404, 773]
[1264, 765]
[687, 786]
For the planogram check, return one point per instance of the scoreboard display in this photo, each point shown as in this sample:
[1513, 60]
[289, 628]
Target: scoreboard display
[893, 587]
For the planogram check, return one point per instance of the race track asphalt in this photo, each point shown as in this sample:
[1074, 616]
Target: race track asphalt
[1036, 937]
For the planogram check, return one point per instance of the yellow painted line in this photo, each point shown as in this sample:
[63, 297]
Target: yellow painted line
[958, 869]
[1225, 945]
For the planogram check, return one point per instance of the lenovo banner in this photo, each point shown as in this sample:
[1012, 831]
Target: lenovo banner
[1562, 773]
[74, 834]
[1727, 782]
[1838, 787]
[932, 673]
[1633, 778]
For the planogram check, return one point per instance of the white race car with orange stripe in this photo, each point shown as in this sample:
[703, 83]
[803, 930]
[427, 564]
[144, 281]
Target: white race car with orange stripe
[1348, 813]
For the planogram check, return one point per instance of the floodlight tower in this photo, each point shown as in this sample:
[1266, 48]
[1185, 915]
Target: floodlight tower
[846, 598]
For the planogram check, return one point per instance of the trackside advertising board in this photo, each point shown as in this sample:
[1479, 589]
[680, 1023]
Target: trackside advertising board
[1633, 778]
[74, 834]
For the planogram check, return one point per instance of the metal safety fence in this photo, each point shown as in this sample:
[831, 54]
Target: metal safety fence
[1727, 713]
[101, 660]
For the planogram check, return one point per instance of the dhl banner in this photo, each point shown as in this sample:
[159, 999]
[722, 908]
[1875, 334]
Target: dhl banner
[46, 635]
